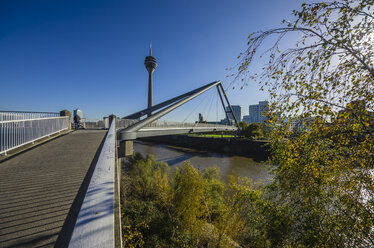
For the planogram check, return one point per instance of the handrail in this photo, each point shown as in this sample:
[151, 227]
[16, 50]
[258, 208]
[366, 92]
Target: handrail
[19, 115]
[34, 119]
[183, 124]
[17, 133]
[27, 112]
[94, 226]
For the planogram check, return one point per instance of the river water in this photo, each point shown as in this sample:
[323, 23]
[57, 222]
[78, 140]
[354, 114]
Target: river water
[227, 164]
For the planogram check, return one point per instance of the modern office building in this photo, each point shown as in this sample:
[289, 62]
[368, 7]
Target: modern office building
[257, 112]
[238, 112]
[247, 118]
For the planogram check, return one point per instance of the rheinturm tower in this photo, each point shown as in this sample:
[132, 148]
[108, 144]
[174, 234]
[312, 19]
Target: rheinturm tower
[150, 64]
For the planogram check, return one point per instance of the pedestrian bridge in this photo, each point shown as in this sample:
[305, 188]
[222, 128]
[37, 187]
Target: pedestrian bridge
[41, 190]
[62, 188]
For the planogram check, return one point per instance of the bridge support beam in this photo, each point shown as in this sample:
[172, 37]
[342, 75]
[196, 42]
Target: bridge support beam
[126, 148]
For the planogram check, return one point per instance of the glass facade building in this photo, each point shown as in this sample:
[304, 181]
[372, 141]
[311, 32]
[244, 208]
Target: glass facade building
[257, 113]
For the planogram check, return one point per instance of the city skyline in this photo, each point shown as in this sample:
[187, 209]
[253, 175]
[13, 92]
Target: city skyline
[89, 55]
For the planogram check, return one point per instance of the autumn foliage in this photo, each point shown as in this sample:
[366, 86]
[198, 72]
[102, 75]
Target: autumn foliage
[324, 175]
[186, 208]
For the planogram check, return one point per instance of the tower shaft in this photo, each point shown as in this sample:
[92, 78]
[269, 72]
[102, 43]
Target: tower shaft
[150, 64]
[150, 90]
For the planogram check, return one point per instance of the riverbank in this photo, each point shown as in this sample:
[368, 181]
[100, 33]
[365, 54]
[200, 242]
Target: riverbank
[257, 150]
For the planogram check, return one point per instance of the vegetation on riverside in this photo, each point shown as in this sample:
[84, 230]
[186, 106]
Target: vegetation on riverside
[253, 131]
[189, 208]
[214, 135]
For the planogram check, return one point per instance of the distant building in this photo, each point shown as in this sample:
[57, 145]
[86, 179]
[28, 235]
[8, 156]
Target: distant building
[257, 112]
[238, 112]
[247, 118]
[223, 122]
[300, 124]
[295, 124]
[79, 113]
[213, 122]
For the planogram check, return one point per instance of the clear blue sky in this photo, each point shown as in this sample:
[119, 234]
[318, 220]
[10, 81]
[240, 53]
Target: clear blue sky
[90, 54]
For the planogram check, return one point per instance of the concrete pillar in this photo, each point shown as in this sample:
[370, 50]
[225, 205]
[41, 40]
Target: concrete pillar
[66, 113]
[126, 148]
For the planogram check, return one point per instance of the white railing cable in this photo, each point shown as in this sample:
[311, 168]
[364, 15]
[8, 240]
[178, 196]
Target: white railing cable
[18, 132]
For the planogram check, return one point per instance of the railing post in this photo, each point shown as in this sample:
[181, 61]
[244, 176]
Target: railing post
[66, 113]
[111, 118]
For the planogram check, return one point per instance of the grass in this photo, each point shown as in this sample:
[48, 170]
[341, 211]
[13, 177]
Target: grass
[214, 135]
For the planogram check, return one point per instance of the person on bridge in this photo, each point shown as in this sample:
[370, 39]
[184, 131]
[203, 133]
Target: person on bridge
[77, 120]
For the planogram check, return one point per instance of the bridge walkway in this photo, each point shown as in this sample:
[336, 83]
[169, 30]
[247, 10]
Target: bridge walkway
[41, 190]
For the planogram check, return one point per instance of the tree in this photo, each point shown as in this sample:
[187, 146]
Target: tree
[243, 126]
[144, 197]
[253, 131]
[187, 198]
[324, 176]
[334, 55]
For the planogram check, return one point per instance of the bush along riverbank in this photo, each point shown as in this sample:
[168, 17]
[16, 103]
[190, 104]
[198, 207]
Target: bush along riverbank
[189, 208]
[258, 150]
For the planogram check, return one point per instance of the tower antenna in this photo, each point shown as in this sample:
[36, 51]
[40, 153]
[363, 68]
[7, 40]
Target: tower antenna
[150, 48]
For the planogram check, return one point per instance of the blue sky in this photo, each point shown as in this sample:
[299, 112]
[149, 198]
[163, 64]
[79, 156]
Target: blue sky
[65, 54]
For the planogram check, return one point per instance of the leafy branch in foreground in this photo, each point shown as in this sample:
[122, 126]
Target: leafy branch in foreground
[324, 174]
[331, 64]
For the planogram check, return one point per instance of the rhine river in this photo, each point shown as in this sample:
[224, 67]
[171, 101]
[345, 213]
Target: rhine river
[227, 164]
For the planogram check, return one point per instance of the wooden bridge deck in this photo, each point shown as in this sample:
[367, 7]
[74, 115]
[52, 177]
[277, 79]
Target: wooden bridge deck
[42, 189]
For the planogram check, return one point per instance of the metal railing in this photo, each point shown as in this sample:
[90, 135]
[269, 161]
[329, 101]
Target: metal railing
[94, 123]
[123, 123]
[169, 124]
[15, 133]
[22, 115]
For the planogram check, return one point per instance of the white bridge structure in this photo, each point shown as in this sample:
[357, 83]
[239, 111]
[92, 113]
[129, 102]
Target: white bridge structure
[144, 128]
[20, 128]
[97, 222]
